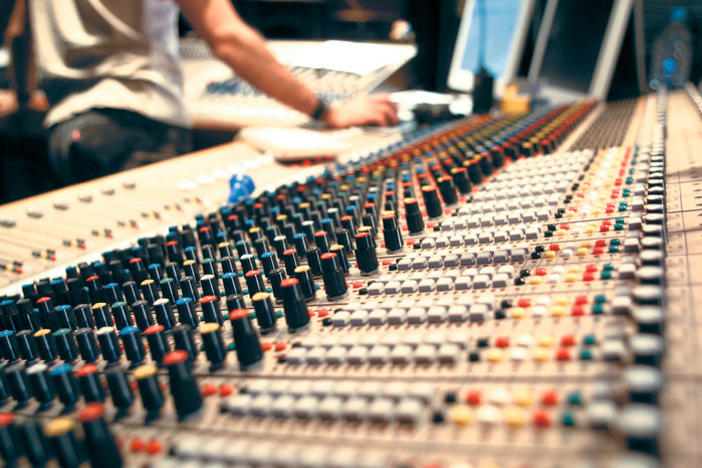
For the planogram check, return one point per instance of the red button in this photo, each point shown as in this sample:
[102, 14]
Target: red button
[137, 445]
[524, 302]
[588, 277]
[225, 390]
[577, 311]
[154, 447]
[549, 398]
[591, 268]
[554, 247]
[563, 354]
[280, 346]
[502, 341]
[266, 346]
[581, 299]
[386, 262]
[597, 251]
[357, 285]
[568, 340]
[600, 243]
[540, 271]
[209, 390]
[323, 312]
[473, 398]
[541, 418]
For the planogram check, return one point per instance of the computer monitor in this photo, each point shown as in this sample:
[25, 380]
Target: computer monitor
[577, 47]
[506, 25]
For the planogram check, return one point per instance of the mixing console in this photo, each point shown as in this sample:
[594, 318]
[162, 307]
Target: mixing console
[497, 291]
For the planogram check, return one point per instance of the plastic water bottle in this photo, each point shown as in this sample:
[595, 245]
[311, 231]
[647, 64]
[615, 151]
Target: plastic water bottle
[672, 53]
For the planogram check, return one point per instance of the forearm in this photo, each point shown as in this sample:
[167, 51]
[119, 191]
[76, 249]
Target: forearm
[244, 50]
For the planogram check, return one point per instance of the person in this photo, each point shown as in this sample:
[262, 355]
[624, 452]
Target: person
[111, 73]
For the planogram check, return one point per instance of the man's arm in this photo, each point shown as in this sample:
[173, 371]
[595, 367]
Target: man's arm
[244, 50]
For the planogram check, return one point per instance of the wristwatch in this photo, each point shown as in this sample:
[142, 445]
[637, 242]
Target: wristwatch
[321, 111]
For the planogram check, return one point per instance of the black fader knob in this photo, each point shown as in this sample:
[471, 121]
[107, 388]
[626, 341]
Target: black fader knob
[303, 274]
[65, 384]
[294, 307]
[90, 383]
[248, 348]
[186, 312]
[100, 443]
[64, 441]
[184, 389]
[120, 390]
[87, 344]
[210, 309]
[265, 315]
[333, 276]
[109, 344]
[413, 216]
[158, 346]
[211, 335]
[133, 344]
[149, 389]
[431, 201]
[254, 281]
[448, 190]
[391, 232]
[365, 253]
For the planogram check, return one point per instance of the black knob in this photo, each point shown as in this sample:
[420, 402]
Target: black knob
[17, 382]
[314, 260]
[8, 345]
[131, 292]
[120, 312]
[120, 390]
[186, 312]
[231, 283]
[65, 384]
[65, 344]
[64, 442]
[150, 391]
[431, 201]
[164, 313]
[365, 253]
[210, 268]
[291, 260]
[235, 301]
[87, 344]
[9, 446]
[35, 443]
[109, 345]
[448, 190]
[83, 316]
[333, 276]
[46, 347]
[254, 282]
[300, 242]
[265, 315]
[133, 344]
[169, 290]
[188, 288]
[338, 249]
[294, 307]
[321, 240]
[303, 274]
[102, 315]
[268, 262]
[149, 289]
[186, 394]
[413, 216]
[142, 315]
[26, 345]
[209, 285]
[210, 309]
[111, 293]
[275, 278]
[101, 445]
[46, 307]
[158, 346]
[215, 351]
[40, 383]
[183, 339]
[90, 383]
[391, 232]
[63, 317]
[248, 348]
[248, 263]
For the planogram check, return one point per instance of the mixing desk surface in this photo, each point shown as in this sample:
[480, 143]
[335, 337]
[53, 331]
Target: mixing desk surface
[496, 291]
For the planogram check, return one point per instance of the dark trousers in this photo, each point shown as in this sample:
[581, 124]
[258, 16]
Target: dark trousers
[104, 141]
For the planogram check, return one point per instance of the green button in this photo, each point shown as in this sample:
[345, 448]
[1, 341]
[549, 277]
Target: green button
[225, 316]
[615, 242]
[246, 291]
[608, 267]
[241, 274]
[231, 347]
[575, 399]
[626, 194]
[619, 220]
[600, 298]
[317, 287]
[202, 318]
[597, 309]
[202, 347]
[589, 339]
[606, 275]
[269, 290]
[613, 248]
[631, 171]
[618, 227]
[622, 208]
[252, 315]
[279, 313]
[568, 420]
[585, 355]
[629, 180]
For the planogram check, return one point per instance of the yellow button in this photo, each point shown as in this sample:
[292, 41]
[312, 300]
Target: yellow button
[546, 341]
[597, 211]
[582, 251]
[571, 278]
[58, 427]
[571, 214]
[590, 229]
[540, 355]
[209, 327]
[522, 397]
[550, 254]
[461, 415]
[559, 311]
[573, 269]
[515, 416]
[561, 233]
[518, 312]
[561, 300]
[586, 244]
[142, 372]
[494, 355]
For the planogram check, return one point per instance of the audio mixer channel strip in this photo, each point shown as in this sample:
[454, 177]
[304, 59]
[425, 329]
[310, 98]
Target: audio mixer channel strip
[497, 291]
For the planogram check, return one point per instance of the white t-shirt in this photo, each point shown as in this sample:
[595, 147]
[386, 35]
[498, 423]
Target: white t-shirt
[120, 54]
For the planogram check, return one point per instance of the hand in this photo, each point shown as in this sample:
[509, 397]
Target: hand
[367, 109]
